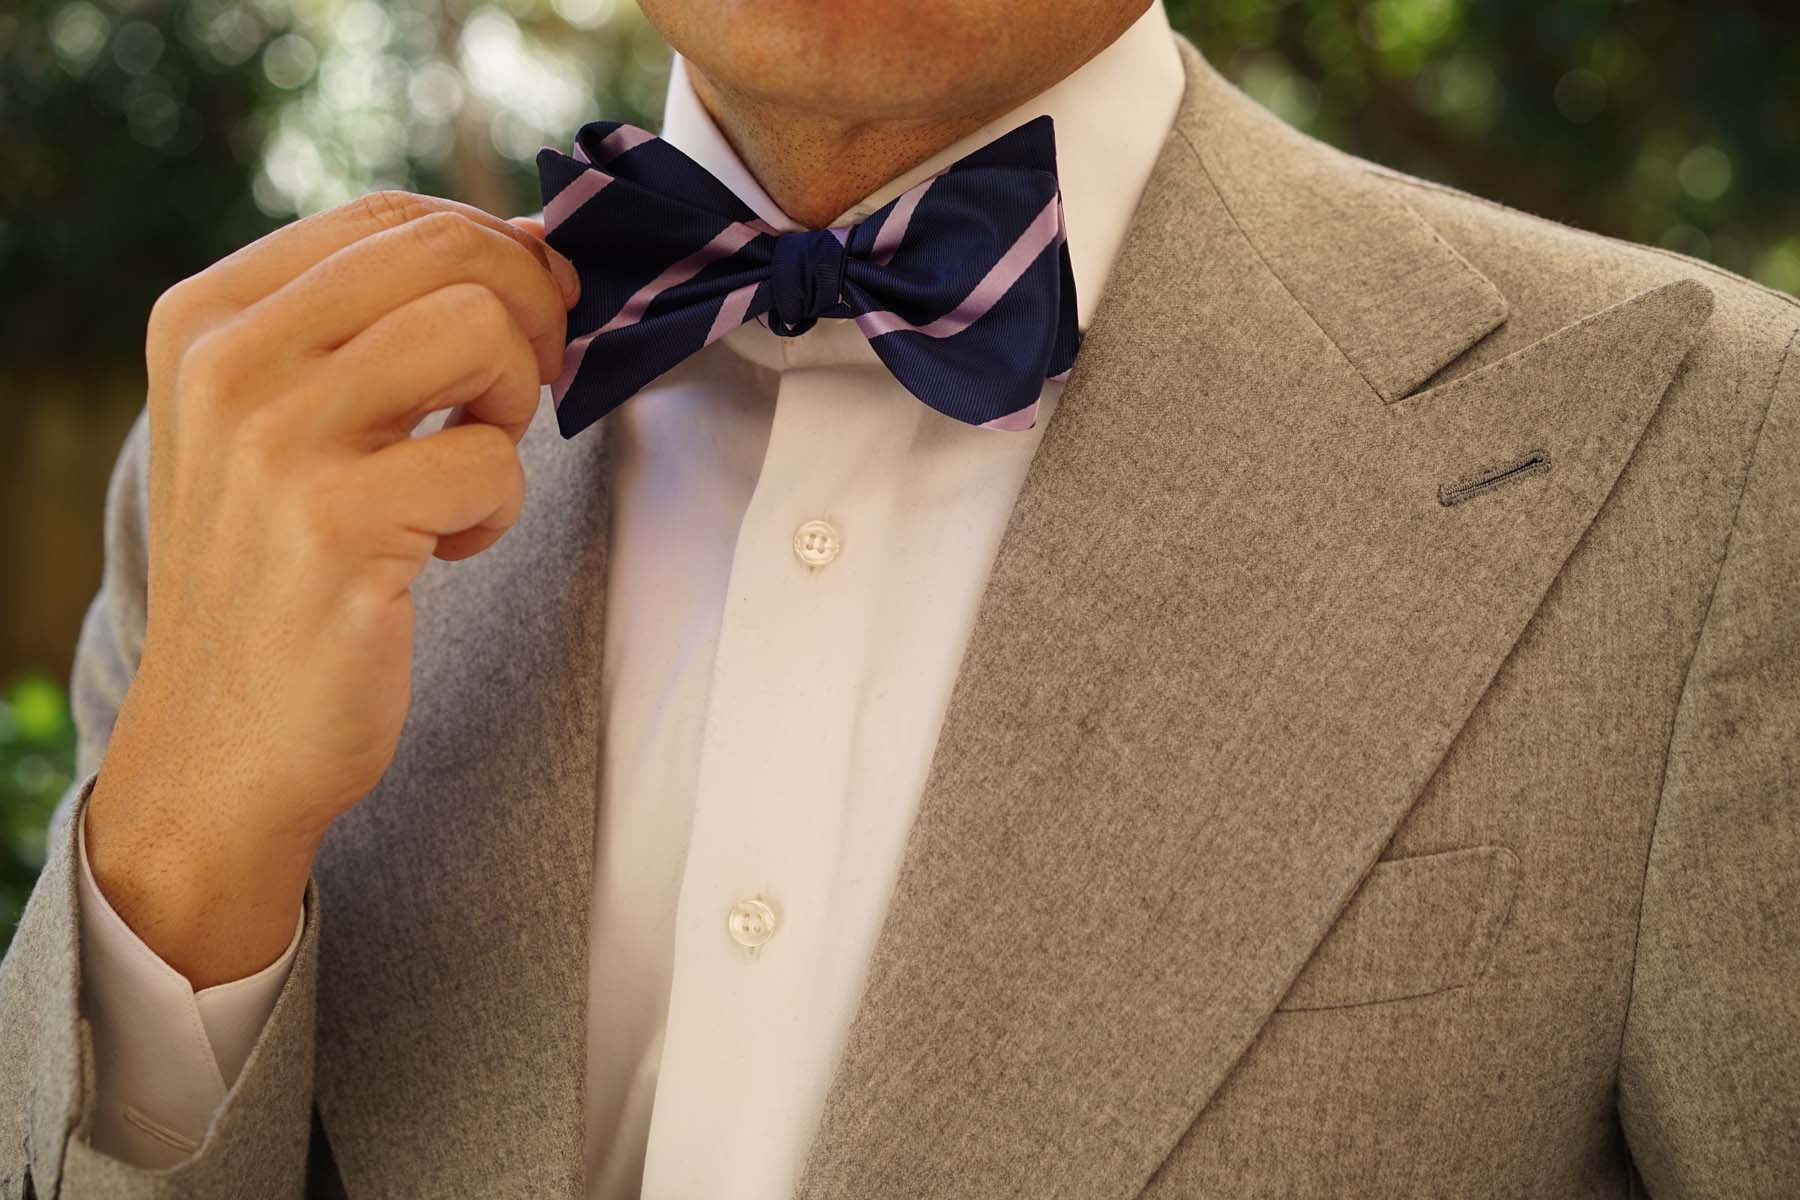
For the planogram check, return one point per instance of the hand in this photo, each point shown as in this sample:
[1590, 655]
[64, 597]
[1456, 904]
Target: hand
[290, 510]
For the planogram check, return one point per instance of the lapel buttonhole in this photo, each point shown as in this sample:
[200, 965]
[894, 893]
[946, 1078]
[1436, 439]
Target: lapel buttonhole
[1535, 463]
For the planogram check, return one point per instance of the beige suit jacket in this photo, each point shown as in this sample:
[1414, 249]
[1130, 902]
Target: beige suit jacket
[1373, 772]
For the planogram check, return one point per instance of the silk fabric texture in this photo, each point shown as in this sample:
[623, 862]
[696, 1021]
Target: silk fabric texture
[962, 283]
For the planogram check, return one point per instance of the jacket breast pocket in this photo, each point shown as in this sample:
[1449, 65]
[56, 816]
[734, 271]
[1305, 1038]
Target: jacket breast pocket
[1417, 926]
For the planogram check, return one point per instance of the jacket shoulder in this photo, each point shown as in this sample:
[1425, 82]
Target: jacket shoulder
[1742, 362]
[1553, 274]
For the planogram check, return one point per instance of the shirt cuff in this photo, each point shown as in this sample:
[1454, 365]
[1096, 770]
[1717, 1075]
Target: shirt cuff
[164, 1055]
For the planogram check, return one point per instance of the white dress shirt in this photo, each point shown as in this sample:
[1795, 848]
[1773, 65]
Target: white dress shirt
[798, 551]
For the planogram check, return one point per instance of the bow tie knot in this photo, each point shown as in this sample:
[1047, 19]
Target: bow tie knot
[806, 278]
[962, 283]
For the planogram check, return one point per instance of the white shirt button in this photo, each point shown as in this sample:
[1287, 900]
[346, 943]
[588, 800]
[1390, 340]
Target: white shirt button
[817, 543]
[751, 922]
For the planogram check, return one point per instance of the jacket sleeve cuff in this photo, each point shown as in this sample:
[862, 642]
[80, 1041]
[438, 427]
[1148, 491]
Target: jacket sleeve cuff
[164, 1055]
[256, 1141]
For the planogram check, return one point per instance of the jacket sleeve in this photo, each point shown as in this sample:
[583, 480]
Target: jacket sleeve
[257, 1140]
[164, 1054]
[1709, 1086]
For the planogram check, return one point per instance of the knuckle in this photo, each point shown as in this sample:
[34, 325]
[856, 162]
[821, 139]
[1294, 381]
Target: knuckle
[493, 450]
[476, 312]
[364, 601]
[495, 457]
[178, 316]
[449, 234]
[260, 441]
[211, 367]
[170, 311]
[389, 208]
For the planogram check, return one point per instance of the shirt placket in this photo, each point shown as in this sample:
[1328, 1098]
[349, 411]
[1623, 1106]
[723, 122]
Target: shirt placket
[771, 801]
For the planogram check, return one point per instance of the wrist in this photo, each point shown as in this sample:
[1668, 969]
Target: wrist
[210, 895]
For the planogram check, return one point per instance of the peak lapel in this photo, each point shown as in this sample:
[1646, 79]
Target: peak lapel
[453, 949]
[1392, 295]
[1231, 630]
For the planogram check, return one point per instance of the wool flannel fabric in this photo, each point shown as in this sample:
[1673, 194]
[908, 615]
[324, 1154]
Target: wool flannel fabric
[1291, 833]
[962, 283]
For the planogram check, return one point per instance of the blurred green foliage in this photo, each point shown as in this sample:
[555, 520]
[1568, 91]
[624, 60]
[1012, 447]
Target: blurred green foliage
[144, 139]
[141, 140]
[1657, 121]
[123, 156]
[37, 764]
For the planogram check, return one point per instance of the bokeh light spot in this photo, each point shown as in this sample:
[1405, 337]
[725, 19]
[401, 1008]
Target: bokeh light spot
[37, 708]
[289, 61]
[1705, 173]
[435, 91]
[585, 14]
[78, 31]
[137, 47]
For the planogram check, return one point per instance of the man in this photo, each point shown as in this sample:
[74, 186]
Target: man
[1340, 742]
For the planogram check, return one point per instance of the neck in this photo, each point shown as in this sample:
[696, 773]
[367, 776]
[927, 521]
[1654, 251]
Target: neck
[816, 164]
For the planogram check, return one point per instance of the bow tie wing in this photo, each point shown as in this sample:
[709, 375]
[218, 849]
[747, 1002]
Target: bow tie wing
[669, 259]
[963, 285]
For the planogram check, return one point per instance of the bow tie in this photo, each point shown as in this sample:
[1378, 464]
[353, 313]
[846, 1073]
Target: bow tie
[961, 283]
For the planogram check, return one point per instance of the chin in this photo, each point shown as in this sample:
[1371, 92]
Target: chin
[881, 59]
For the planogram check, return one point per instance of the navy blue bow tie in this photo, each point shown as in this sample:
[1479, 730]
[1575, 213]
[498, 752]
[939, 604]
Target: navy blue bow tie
[961, 284]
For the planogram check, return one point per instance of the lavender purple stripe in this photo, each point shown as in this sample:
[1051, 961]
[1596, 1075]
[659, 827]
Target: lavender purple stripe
[997, 315]
[1045, 231]
[573, 353]
[731, 312]
[725, 243]
[893, 229]
[625, 137]
[581, 189]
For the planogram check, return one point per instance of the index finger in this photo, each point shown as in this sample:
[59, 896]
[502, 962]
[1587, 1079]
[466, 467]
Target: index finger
[252, 272]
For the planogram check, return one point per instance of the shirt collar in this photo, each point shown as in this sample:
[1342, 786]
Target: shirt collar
[1112, 115]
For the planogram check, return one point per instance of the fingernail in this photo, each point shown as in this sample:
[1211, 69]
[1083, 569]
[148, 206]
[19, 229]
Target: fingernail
[566, 276]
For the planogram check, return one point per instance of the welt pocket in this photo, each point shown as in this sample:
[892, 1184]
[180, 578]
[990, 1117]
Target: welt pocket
[1416, 926]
